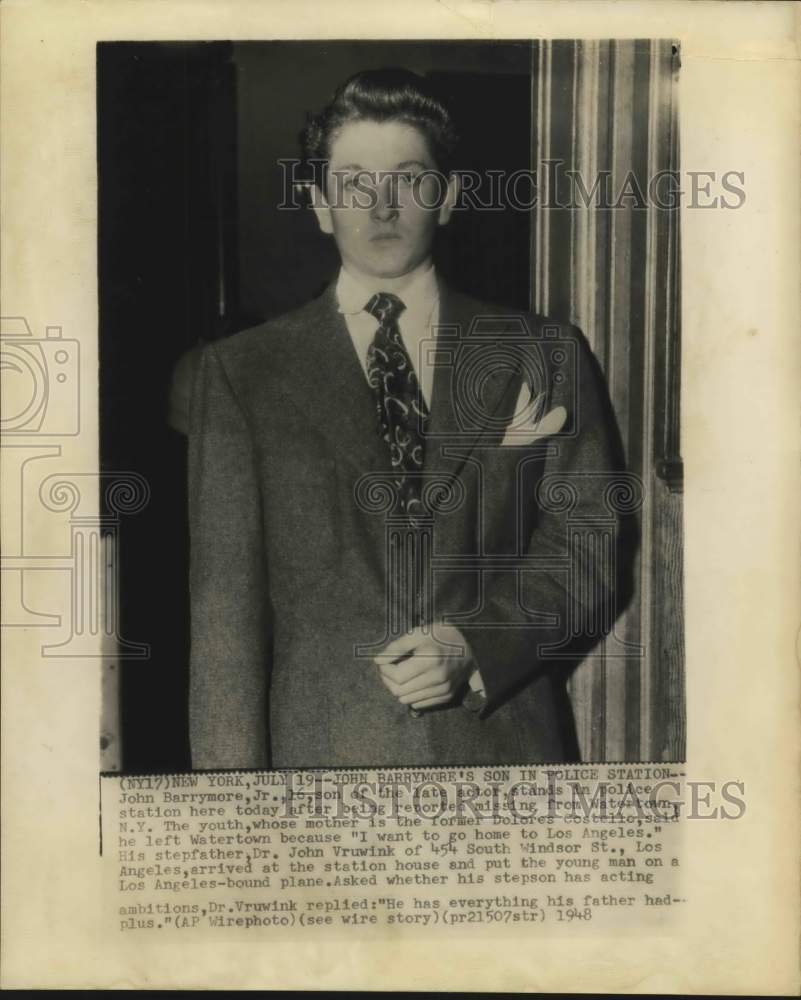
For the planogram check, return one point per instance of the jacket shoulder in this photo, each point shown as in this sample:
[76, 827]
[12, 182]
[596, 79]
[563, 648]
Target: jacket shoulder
[271, 338]
[479, 311]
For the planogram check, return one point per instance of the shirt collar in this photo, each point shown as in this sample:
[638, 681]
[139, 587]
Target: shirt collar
[418, 297]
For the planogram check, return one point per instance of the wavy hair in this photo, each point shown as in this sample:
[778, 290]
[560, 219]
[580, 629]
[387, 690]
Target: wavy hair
[384, 95]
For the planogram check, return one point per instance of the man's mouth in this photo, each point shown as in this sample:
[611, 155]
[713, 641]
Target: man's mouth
[380, 237]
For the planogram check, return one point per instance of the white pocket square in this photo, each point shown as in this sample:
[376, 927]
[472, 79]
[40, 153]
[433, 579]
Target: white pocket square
[529, 424]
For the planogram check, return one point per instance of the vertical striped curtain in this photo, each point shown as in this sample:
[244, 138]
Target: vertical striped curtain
[605, 113]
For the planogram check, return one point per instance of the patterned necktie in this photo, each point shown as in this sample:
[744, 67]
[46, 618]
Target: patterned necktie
[399, 403]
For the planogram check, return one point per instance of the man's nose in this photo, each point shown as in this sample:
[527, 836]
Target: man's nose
[386, 200]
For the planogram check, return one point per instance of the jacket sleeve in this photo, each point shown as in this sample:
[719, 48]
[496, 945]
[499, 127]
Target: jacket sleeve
[228, 585]
[558, 601]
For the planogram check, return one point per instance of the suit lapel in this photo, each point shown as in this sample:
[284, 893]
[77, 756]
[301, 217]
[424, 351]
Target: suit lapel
[331, 386]
[475, 387]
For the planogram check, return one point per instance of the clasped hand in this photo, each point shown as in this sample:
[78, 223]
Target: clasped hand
[423, 671]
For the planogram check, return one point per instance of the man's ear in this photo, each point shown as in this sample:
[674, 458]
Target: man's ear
[321, 209]
[449, 201]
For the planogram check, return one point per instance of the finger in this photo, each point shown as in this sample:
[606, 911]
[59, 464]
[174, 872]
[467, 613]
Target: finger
[428, 679]
[401, 646]
[418, 687]
[424, 694]
[412, 668]
[391, 685]
[430, 702]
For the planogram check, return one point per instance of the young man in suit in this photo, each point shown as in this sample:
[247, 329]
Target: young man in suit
[398, 528]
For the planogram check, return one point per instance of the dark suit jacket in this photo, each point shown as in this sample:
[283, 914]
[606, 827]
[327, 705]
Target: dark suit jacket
[288, 571]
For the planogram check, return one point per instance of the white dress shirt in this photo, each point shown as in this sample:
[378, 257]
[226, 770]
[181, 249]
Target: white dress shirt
[417, 323]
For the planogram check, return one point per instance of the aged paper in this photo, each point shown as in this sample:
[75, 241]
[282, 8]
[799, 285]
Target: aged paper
[737, 926]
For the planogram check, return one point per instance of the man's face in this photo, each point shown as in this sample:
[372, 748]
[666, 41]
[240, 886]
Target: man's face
[381, 206]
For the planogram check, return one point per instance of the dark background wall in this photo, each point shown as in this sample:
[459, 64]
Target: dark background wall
[284, 261]
[192, 247]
